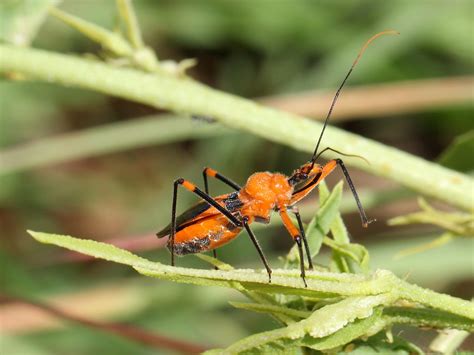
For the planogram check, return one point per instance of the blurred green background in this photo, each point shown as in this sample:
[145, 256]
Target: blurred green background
[249, 48]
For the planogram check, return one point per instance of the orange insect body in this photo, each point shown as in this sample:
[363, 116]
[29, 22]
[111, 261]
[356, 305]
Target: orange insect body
[214, 222]
[264, 192]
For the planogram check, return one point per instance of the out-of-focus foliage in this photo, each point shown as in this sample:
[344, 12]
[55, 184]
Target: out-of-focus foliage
[347, 307]
[252, 48]
[458, 155]
[21, 19]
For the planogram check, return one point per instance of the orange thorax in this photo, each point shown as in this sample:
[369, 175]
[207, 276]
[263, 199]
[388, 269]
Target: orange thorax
[264, 192]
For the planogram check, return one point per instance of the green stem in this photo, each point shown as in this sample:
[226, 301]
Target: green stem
[127, 13]
[187, 96]
[436, 300]
[102, 140]
[426, 317]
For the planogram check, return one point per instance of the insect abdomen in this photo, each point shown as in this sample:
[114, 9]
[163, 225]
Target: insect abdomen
[193, 246]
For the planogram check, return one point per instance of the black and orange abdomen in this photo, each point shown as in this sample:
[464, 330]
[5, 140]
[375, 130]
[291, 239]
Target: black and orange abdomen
[204, 234]
[203, 227]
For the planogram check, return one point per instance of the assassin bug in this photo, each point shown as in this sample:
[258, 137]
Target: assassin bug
[215, 221]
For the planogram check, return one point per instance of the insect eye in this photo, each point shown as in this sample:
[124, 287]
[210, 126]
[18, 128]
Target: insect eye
[303, 176]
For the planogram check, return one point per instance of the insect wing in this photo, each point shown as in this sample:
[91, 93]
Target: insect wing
[204, 234]
[192, 215]
[187, 216]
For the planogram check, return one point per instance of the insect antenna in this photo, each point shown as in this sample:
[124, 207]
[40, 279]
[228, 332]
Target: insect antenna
[334, 100]
[341, 153]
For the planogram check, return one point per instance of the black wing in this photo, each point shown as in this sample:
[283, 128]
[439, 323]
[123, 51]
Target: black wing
[230, 201]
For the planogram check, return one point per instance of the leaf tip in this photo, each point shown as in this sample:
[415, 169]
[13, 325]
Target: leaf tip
[33, 234]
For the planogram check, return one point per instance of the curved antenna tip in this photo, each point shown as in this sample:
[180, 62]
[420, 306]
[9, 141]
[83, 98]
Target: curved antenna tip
[334, 100]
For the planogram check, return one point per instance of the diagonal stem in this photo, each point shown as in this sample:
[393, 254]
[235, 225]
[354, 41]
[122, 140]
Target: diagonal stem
[185, 95]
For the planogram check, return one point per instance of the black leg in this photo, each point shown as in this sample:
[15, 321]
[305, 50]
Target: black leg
[211, 172]
[303, 237]
[300, 251]
[206, 190]
[259, 249]
[363, 216]
[193, 188]
[173, 220]
[296, 235]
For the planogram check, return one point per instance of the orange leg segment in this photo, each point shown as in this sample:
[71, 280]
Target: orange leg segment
[295, 234]
[238, 223]
[326, 170]
[193, 188]
[212, 173]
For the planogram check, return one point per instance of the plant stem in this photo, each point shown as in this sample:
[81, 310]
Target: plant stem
[187, 96]
[436, 300]
[104, 139]
[379, 100]
[127, 13]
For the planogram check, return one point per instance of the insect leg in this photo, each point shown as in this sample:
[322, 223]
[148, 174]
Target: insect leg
[303, 237]
[295, 234]
[363, 216]
[193, 188]
[212, 173]
[259, 249]
[173, 220]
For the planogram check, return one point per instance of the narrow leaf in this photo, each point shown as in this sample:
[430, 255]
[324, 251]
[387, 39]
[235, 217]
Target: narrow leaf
[283, 281]
[20, 20]
[458, 155]
[331, 318]
[93, 248]
[319, 226]
[379, 344]
[266, 308]
[357, 252]
[321, 223]
[435, 243]
[322, 323]
[127, 14]
[108, 39]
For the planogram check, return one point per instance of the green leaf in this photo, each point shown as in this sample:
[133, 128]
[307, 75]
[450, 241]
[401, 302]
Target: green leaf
[458, 155]
[109, 40]
[20, 20]
[129, 18]
[324, 218]
[435, 243]
[339, 230]
[92, 248]
[283, 281]
[319, 226]
[379, 344]
[324, 322]
[355, 330]
[266, 308]
[457, 222]
[357, 252]
[424, 316]
[323, 192]
[362, 292]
